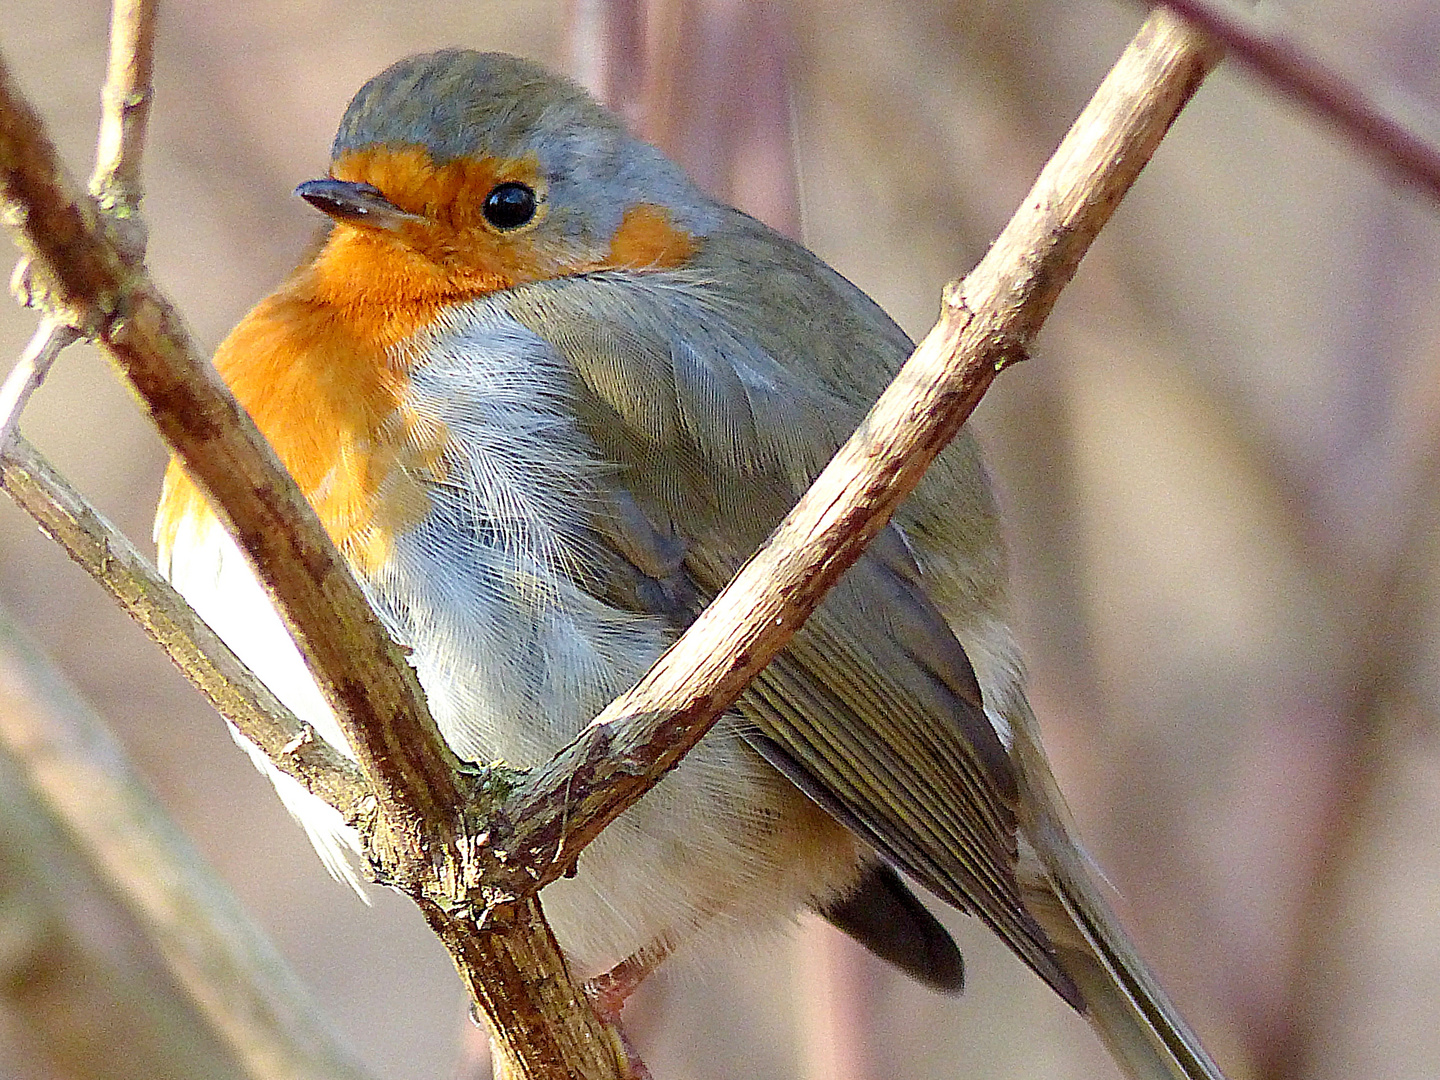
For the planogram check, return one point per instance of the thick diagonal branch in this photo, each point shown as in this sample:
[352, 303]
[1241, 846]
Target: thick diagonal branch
[79, 277]
[78, 270]
[104, 552]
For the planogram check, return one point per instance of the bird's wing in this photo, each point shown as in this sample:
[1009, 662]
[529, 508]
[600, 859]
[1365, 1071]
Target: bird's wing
[873, 709]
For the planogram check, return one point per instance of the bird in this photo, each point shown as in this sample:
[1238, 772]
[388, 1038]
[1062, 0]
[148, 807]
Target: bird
[547, 397]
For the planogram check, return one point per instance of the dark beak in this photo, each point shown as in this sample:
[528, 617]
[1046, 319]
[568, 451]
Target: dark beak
[357, 204]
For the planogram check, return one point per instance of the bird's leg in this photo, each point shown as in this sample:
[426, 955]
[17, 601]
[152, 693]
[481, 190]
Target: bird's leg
[609, 992]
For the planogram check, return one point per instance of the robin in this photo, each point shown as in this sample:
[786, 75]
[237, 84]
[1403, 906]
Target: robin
[547, 397]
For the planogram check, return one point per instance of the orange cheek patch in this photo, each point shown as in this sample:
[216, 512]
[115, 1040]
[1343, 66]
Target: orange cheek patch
[454, 254]
[648, 240]
[453, 193]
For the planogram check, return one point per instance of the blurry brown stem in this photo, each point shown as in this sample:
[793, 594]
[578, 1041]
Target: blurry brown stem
[607, 53]
[232, 972]
[78, 992]
[664, 65]
[124, 118]
[1360, 113]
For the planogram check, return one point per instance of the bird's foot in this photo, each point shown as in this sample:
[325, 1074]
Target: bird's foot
[608, 994]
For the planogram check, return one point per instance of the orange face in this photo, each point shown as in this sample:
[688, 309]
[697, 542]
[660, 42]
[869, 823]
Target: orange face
[321, 367]
[450, 251]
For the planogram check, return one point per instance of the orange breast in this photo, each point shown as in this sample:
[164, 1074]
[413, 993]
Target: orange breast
[326, 388]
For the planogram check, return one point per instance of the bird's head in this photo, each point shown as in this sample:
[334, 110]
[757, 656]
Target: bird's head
[457, 173]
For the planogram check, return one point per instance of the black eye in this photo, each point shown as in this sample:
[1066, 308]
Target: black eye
[510, 205]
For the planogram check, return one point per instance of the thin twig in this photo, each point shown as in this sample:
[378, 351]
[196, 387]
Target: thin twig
[1361, 113]
[125, 111]
[29, 372]
[115, 185]
[124, 118]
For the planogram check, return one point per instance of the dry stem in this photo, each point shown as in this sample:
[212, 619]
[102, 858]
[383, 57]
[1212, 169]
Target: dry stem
[29, 372]
[124, 118]
[104, 552]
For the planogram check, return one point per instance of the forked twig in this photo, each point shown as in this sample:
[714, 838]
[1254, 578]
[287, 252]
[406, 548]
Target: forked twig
[108, 556]
[115, 185]
[29, 372]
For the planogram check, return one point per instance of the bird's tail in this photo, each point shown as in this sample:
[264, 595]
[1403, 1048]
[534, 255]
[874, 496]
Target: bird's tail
[1124, 1002]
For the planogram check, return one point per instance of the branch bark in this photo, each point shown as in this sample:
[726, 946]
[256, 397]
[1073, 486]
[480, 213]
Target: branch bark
[478, 892]
[125, 117]
[100, 549]
[78, 273]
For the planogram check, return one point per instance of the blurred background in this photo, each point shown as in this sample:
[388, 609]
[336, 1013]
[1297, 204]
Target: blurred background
[1218, 475]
